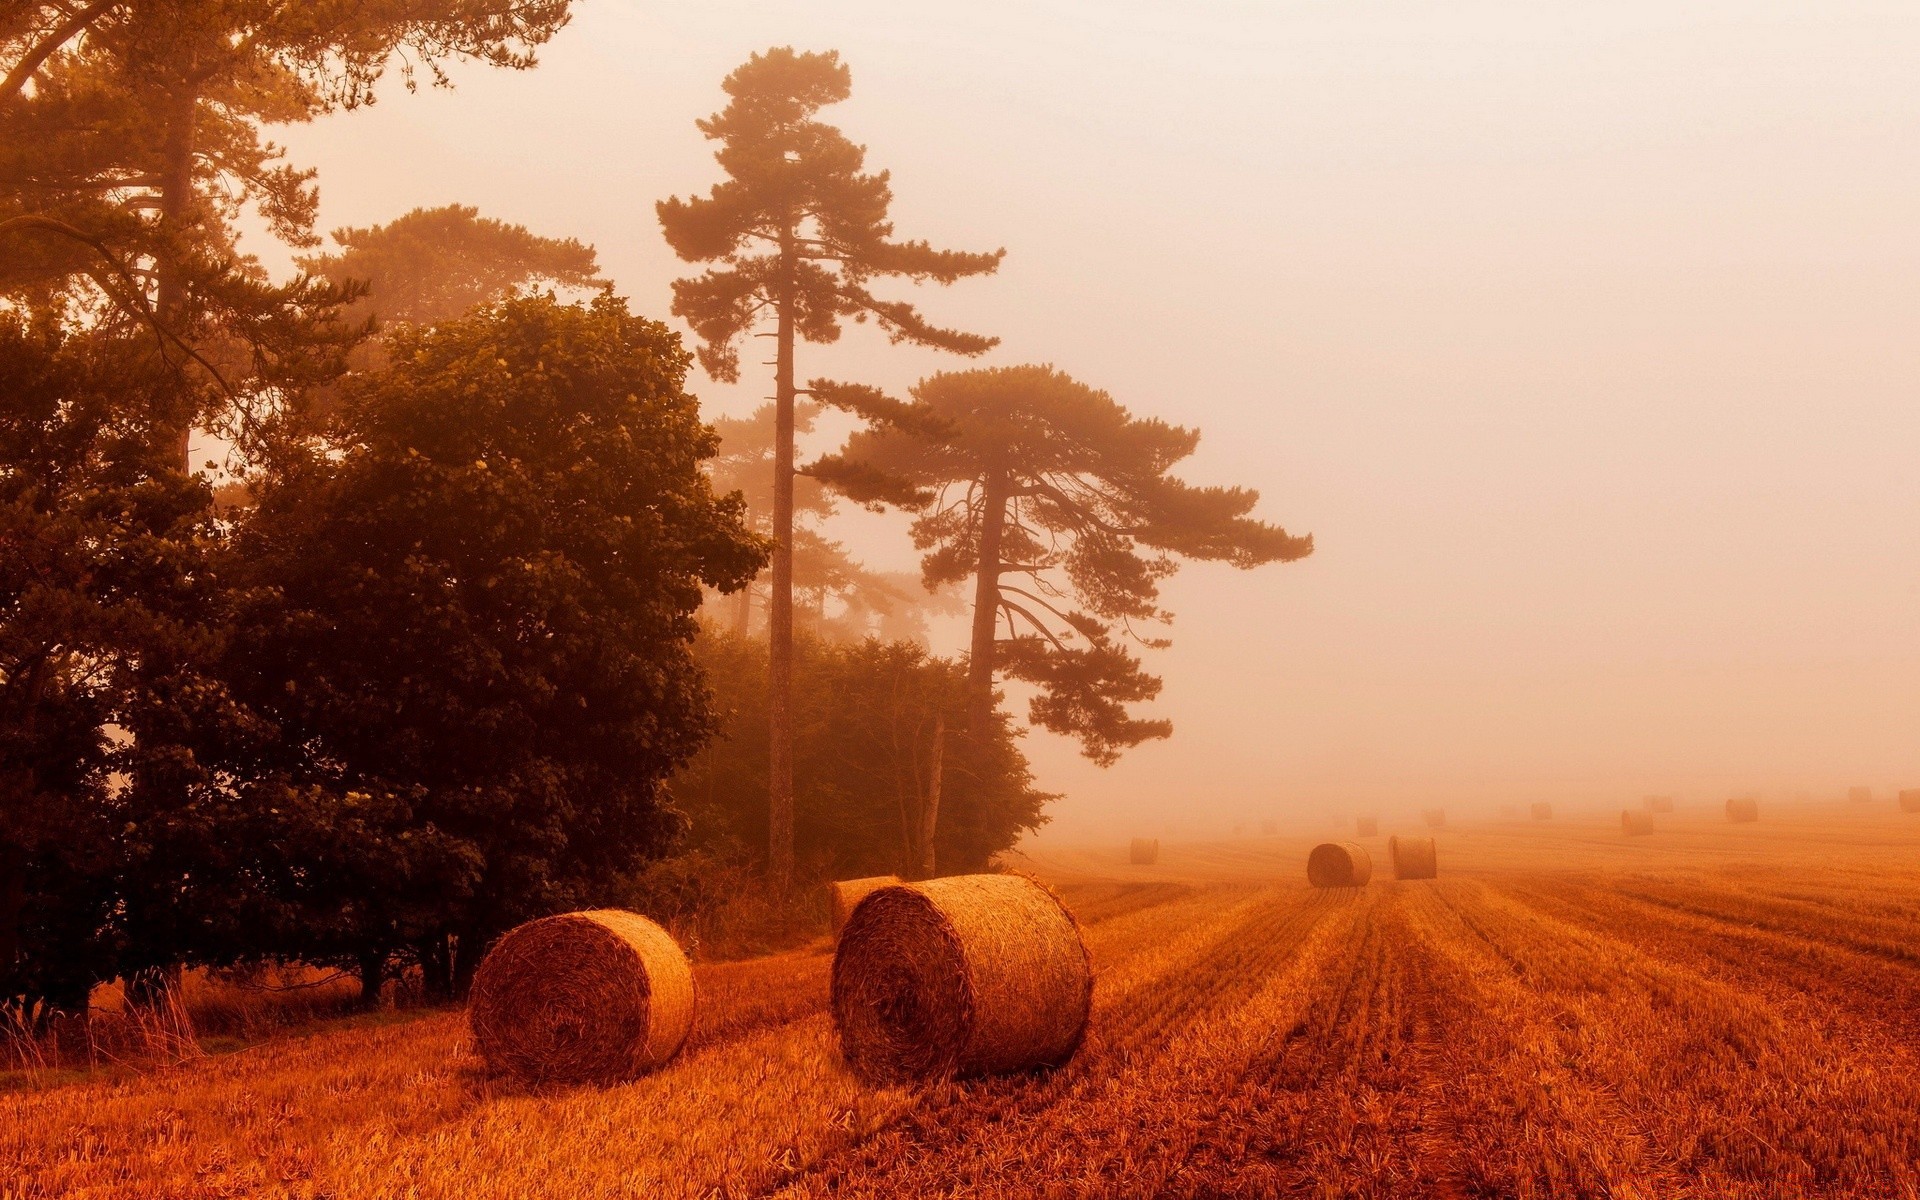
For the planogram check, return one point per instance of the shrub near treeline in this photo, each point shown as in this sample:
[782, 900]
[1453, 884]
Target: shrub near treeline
[866, 714]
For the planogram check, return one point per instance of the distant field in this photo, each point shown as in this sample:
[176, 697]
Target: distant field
[1713, 1011]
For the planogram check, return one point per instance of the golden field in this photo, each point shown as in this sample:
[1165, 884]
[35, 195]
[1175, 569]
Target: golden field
[1712, 1011]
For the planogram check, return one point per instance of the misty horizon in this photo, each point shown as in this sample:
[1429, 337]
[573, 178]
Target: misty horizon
[1585, 356]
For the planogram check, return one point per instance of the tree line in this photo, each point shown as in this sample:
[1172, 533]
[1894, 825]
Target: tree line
[476, 615]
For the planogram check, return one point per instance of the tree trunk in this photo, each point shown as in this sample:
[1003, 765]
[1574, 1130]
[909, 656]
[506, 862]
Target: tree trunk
[467, 950]
[13, 904]
[436, 969]
[986, 605]
[743, 611]
[930, 811]
[780, 603]
[373, 977]
[176, 210]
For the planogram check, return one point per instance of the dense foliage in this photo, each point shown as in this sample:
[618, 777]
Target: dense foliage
[866, 717]
[470, 625]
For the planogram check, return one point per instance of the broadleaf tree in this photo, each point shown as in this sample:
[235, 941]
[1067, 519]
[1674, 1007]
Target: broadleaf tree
[471, 627]
[797, 233]
[1059, 504]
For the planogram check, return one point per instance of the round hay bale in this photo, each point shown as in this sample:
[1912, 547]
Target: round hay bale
[970, 975]
[1910, 800]
[1436, 818]
[584, 997]
[843, 894]
[1743, 808]
[1636, 821]
[1366, 826]
[1542, 811]
[1339, 864]
[1413, 858]
[1144, 852]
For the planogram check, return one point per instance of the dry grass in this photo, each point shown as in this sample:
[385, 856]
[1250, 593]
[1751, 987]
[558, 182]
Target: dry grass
[1727, 1010]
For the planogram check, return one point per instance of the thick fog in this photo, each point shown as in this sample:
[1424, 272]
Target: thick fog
[1581, 338]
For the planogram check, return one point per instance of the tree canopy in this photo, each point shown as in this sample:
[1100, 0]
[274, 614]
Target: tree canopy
[472, 621]
[130, 142]
[798, 221]
[435, 263]
[1059, 504]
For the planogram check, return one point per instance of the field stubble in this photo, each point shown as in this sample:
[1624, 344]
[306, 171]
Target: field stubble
[1711, 1012]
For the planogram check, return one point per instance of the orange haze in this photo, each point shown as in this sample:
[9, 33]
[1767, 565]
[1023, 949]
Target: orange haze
[1584, 338]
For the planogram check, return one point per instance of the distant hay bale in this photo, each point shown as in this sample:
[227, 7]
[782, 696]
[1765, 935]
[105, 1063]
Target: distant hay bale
[1860, 795]
[1743, 808]
[1542, 811]
[1436, 818]
[585, 997]
[843, 894]
[1659, 804]
[1910, 800]
[1636, 821]
[969, 975]
[1366, 826]
[1413, 858]
[1144, 852]
[1339, 864]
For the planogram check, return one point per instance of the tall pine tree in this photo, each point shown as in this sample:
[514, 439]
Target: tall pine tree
[796, 233]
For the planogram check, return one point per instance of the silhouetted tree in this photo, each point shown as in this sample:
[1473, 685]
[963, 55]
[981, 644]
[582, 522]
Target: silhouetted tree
[436, 263]
[130, 141]
[1026, 472]
[472, 626]
[799, 230]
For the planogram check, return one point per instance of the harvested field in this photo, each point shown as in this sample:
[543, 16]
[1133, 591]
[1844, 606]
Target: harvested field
[1727, 1010]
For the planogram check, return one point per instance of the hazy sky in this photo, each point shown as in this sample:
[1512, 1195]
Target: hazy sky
[1585, 339]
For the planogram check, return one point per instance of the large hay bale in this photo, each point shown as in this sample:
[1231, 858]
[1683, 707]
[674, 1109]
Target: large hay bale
[1339, 864]
[843, 894]
[1542, 811]
[1743, 808]
[1144, 852]
[1413, 858]
[1860, 794]
[1436, 818]
[1910, 800]
[584, 997]
[1658, 804]
[1636, 821]
[969, 975]
[1366, 826]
